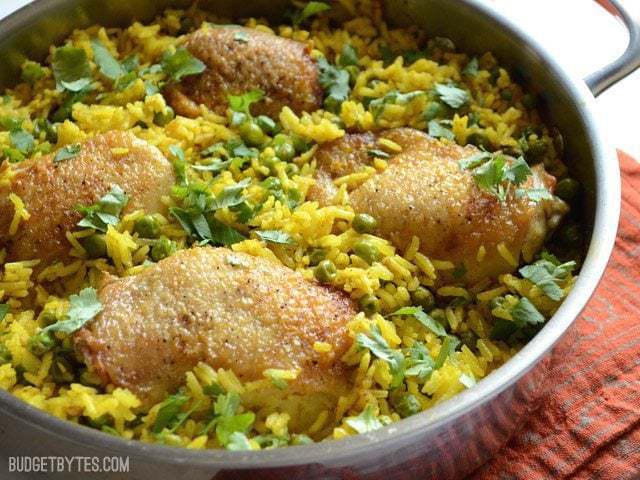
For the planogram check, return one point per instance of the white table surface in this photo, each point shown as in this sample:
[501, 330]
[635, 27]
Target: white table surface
[582, 36]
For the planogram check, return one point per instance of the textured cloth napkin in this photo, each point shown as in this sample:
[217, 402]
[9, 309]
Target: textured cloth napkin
[588, 423]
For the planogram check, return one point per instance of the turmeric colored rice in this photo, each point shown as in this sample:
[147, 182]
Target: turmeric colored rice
[501, 115]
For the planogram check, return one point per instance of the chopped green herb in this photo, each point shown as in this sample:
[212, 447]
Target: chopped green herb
[534, 194]
[394, 97]
[310, 9]
[377, 153]
[275, 236]
[32, 72]
[242, 103]
[423, 318]
[10, 123]
[67, 152]
[4, 309]
[107, 64]
[181, 64]
[381, 349]
[419, 362]
[365, 422]
[451, 95]
[525, 312]
[471, 70]
[169, 411]
[71, 69]
[547, 276]
[238, 441]
[22, 140]
[348, 56]
[105, 212]
[438, 129]
[241, 36]
[82, 308]
[449, 346]
[335, 83]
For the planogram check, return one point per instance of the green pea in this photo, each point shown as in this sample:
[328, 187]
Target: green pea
[164, 117]
[95, 245]
[407, 405]
[285, 151]
[299, 144]
[5, 355]
[62, 370]
[325, 271]
[162, 248]
[316, 256]
[423, 298]
[147, 227]
[366, 251]
[364, 223]
[568, 189]
[535, 149]
[369, 304]
[434, 110]
[271, 163]
[266, 124]
[570, 235]
[41, 343]
[252, 134]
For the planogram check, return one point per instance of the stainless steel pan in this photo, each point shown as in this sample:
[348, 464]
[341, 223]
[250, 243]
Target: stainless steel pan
[451, 439]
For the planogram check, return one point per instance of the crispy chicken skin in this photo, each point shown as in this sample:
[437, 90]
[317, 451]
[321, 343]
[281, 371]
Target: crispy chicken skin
[241, 59]
[424, 193]
[51, 190]
[228, 309]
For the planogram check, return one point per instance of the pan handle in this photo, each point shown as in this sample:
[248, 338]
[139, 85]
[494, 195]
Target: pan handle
[629, 61]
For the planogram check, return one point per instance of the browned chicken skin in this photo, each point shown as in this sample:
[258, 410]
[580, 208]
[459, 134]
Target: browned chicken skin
[241, 59]
[51, 191]
[424, 193]
[230, 310]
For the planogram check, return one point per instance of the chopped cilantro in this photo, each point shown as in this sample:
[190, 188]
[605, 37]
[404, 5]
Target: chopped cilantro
[226, 420]
[310, 9]
[449, 345]
[71, 69]
[423, 318]
[525, 312]
[451, 95]
[394, 97]
[4, 309]
[105, 212]
[547, 276]
[67, 152]
[169, 411]
[22, 140]
[335, 83]
[348, 56]
[275, 236]
[381, 349]
[365, 422]
[438, 129]
[242, 103]
[10, 123]
[180, 64]
[82, 308]
[374, 153]
[419, 362]
[238, 441]
[241, 36]
[107, 64]
[471, 70]
[32, 72]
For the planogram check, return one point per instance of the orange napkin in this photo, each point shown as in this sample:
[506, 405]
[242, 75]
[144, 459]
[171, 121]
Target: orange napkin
[588, 423]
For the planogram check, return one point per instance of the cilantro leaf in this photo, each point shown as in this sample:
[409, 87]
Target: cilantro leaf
[335, 83]
[394, 97]
[222, 234]
[546, 276]
[67, 152]
[381, 349]
[471, 70]
[181, 64]
[4, 309]
[71, 69]
[525, 312]
[348, 56]
[226, 420]
[242, 103]
[449, 345]
[438, 130]
[419, 363]
[518, 171]
[309, 10]
[105, 212]
[365, 422]
[168, 413]
[451, 95]
[374, 153]
[108, 65]
[22, 140]
[82, 308]
[534, 194]
[275, 236]
[423, 318]
[231, 195]
[241, 36]
[238, 441]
